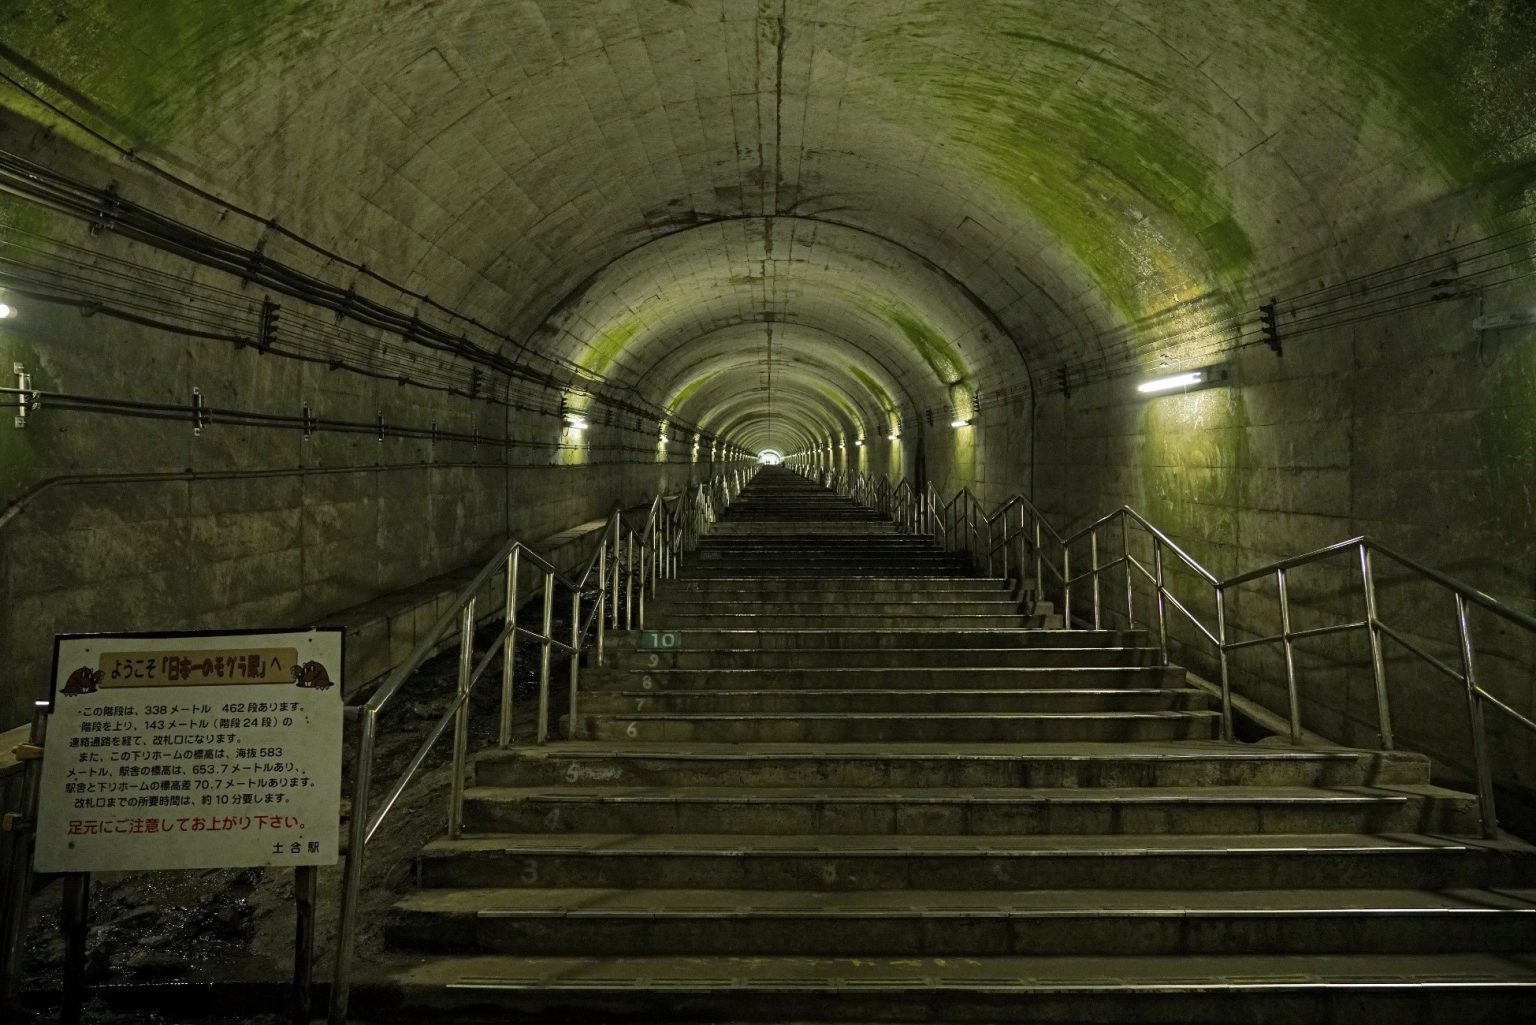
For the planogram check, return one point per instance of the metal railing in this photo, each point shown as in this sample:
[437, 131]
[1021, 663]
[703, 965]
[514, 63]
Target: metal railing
[1017, 536]
[628, 562]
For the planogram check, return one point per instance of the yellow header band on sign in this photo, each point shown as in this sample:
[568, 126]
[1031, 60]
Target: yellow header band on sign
[193, 668]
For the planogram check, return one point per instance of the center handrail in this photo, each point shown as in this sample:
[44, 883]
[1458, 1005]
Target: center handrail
[628, 562]
[958, 524]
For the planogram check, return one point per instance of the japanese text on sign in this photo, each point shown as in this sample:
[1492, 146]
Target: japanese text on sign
[192, 751]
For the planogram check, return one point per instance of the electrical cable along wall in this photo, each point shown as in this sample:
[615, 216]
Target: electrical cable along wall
[213, 437]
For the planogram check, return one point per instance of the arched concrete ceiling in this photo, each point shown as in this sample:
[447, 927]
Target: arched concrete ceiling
[624, 181]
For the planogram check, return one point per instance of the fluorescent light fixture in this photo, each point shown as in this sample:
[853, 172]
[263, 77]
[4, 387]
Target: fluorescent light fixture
[1186, 379]
[893, 436]
[575, 423]
[1173, 382]
[959, 422]
[7, 311]
[859, 442]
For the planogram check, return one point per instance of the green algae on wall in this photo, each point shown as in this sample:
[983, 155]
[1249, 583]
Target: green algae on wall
[942, 357]
[880, 395]
[609, 344]
[686, 392]
[1192, 451]
[143, 69]
[1463, 73]
[1141, 207]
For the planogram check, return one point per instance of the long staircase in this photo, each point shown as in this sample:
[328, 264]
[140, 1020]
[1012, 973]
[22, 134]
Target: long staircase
[867, 786]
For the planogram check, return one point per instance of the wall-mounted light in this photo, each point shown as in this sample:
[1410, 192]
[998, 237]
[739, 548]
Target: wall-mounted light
[959, 421]
[575, 422]
[859, 442]
[7, 311]
[1182, 381]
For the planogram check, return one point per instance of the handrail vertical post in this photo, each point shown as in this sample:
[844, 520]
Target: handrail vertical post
[509, 651]
[352, 871]
[1162, 598]
[461, 721]
[1378, 663]
[1093, 557]
[645, 562]
[1292, 695]
[1227, 732]
[575, 668]
[602, 596]
[658, 554]
[613, 577]
[1130, 590]
[990, 538]
[629, 581]
[1486, 813]
[1039, 563]
[1066, 586]
[544, 644]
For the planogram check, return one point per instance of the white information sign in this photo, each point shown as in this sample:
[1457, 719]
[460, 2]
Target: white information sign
[169, 751]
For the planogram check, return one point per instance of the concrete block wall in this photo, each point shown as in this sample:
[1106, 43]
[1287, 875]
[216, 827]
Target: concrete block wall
[239, 526]
[1412, 428]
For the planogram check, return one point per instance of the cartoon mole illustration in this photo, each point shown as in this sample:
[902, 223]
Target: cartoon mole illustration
[84, 680]
[312, 674]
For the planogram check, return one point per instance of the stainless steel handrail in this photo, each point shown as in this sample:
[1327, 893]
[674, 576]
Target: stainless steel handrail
[942, 520]
[625, 556]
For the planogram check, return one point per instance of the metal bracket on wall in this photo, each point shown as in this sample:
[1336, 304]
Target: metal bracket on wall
[199, 413]
[26, 399]
[107, 210]
[309, 421]
[266, 331]
[1269, 323]
[1497, 321]
[1064, 381]
[380, 421]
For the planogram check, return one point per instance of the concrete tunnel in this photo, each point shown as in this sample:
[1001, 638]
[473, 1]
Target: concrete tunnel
[316, 303]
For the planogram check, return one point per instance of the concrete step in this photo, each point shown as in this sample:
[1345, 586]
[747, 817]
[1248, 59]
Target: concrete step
[753, 547]
[894, 727]
[962, 862]
[843, 588]
[959, 766]
[1040, 673]
[950, 639]
[728, 527]
[964, 923]
[1218, 989]
[935, 620]
[998, 604]
[893, 660]
[697, 571]
[771, 557]
[902, 701]
[996, 812]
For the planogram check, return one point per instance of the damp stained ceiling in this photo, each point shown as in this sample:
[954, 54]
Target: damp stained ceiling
[804, 220]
